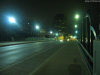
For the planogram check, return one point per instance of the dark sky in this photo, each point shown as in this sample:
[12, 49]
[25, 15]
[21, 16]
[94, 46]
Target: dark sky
[40, 11]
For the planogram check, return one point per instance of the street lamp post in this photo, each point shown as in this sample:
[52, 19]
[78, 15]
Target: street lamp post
[77, 16]
[12, 21]
[37, 27]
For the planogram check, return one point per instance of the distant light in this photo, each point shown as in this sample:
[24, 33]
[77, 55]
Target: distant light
[12, 20]
[51, 32]
[67, 39]
[61, 40]
[77, 16]
[28, 23]
[37, 27]
[76, 26]
[71, 36]
[56, 34]
[76, 32]
[75, 37]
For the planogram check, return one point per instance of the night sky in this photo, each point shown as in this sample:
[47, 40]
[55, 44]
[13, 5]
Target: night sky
[41, 11]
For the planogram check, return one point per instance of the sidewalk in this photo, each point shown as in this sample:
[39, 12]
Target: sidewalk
[67, 61]
[96, 51]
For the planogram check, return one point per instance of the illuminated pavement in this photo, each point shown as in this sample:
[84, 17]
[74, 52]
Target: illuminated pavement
[67, 61]
[24, 59]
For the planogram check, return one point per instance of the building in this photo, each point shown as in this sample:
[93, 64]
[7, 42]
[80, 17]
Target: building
[59, 23]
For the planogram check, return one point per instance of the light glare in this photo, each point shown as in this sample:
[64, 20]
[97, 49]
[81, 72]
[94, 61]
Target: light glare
[56, 34]
[61, 40]
[67, 39]
[76, 32]
[76, 26]
[51, 32]
[77, 16]
[37, 27]
[12, 20]
[75, 37]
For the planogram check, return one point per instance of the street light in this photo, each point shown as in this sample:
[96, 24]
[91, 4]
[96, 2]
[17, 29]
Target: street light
[56, 34]
[76, 26]
[77, 16]
[76, 31]
[37, 27]
[75, 37]
[12, 20]
[51, 32]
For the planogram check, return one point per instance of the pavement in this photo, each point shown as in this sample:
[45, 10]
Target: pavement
[42, 58]
[67, 61]
[96, 57]
[22, 59]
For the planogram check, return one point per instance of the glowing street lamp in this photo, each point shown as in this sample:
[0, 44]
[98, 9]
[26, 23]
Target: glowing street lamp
[51, 32]
[56, 34]
[76, 26]
[75, 37]
[77, 16]
[76, 31]
[37, 27]
[12, 20]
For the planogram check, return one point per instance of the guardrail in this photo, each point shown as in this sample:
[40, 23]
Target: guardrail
[87, 57]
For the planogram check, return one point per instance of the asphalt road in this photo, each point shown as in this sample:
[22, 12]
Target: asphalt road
[25, 58]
